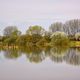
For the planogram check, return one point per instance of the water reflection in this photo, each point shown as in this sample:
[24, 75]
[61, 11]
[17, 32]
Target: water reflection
[73, 56]
[36, 54]
[58, 53]
[12, 53]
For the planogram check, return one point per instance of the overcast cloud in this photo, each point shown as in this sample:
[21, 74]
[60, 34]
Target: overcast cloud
[24, 13]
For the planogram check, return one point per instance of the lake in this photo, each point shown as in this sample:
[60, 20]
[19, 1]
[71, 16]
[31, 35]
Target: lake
[40, 64]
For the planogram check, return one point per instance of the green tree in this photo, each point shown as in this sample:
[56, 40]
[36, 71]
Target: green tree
[59, 39]
[35, 30]
[21, 40]
[77, 36]
[36, 38]
[47, 36]
[11, 30]
[42, 43]
[11, 34]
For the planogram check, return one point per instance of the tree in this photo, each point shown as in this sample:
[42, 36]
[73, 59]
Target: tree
[72, 27]
[1, 39]
[42, 43]
[58, 26]
[11, 30]
[77, 36]
[36, 38]
[10, 41]
[59, 39]
[22, 40]
[11, 33]
[35, 30]
[47, 36]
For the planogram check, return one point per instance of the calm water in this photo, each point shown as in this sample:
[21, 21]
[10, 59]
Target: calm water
[40, 64]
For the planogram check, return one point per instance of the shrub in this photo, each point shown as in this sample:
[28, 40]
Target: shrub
[59, 39]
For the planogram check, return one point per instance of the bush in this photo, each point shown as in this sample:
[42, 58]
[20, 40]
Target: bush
[59, 39]
[77, 36]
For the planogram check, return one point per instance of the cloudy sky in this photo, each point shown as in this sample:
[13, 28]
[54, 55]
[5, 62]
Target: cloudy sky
[24, 13]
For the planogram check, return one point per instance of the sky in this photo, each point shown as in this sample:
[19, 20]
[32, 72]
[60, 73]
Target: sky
[24, 13]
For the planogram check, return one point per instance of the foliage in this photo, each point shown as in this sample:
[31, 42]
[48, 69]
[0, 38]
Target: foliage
[47, 36]
[36, 38]
[11, 30]
[59, 38]
[35, 30]
[77, 36]
[72, 27]
[42, 43]
[58, 26]
[21, 40]
[58, 34]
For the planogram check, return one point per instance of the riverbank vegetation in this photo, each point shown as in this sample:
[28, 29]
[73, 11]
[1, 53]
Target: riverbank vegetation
[67, 34]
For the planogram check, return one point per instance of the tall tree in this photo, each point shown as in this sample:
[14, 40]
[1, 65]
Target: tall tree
[58, 26]
[11, 33]
[11, 30]
[35, 30]
[72, 27]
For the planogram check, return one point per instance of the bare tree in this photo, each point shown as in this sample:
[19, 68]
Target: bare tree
[58, 26]
[72, 27]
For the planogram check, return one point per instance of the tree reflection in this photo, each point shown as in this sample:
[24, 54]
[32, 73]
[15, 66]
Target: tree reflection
[72, 57]
[47, 51]
[36, 54]
[12, 53]
[58, 53]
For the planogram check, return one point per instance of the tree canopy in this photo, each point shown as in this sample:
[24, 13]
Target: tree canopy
[11, 30]
[35, 30]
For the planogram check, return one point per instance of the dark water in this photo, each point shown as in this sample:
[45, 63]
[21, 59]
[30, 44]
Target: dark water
[40, 64]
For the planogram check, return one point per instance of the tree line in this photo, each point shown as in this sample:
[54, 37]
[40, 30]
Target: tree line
[58, 34]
